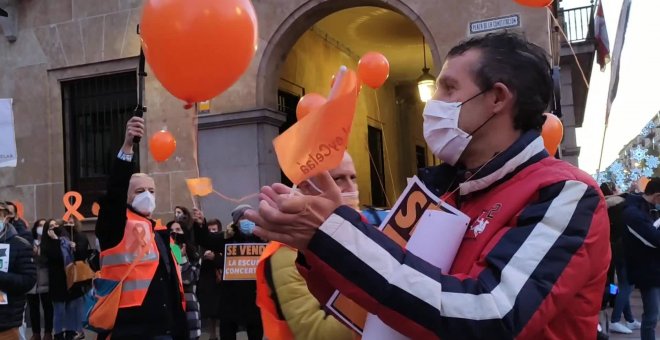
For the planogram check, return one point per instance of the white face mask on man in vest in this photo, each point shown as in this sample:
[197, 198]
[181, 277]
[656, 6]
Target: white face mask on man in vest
[141, 194]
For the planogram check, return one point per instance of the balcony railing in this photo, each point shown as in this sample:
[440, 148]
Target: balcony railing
[577, 23]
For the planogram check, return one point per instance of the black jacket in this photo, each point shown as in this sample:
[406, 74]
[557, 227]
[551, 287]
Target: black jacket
[615, 205]
[20, 278]
[50, 248]
[641, 242]
[237, 298]
[161, 312]
[22, 229]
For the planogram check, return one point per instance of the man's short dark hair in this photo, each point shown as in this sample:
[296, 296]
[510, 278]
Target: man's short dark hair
[520, 65]
[653, 187]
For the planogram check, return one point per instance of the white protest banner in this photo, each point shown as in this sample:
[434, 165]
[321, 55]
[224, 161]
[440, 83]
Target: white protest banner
[8, 155]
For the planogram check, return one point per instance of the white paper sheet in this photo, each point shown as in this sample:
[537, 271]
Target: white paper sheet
[437, 237]
[8, 154]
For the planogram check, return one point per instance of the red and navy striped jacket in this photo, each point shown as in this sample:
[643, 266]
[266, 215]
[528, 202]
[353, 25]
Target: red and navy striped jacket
[535, 270]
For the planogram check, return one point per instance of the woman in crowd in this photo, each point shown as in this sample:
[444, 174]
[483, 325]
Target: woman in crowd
[39, 297]
[189, 262]
[238, 306]
[63, 245]
[210, 277]
[184, 218]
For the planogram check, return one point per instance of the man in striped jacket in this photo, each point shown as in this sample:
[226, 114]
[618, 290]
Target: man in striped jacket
[532, 264]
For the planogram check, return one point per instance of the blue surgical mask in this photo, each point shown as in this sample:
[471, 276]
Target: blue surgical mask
[246, 226]
[2, 226]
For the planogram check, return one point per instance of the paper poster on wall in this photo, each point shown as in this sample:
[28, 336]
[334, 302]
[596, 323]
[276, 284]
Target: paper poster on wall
[8, 154]
[241, 261]
[4, 267]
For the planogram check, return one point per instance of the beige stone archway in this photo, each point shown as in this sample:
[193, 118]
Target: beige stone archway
[299, 21]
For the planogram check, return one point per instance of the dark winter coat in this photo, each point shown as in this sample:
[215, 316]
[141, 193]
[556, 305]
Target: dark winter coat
[641, 242]
[42, 272]
[237, 298]
[18, 280]
[615, 205]
[50, 248]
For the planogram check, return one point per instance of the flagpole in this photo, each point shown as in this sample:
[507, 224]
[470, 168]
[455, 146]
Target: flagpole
[602, 147]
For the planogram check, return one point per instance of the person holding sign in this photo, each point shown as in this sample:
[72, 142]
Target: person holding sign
[152, 298]
[238, 247]
[288, 309]
[533, 261]
[18, 274]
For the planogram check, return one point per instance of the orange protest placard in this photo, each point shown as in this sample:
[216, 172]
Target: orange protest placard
[95, 208]
[201, 186]
[20, 209]
[317, 143]
[241, 261]
[399, 225]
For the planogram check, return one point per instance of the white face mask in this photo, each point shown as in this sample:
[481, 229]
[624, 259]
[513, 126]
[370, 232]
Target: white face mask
[441, 132]
[145, 203]
[351, 199]
[40, 231]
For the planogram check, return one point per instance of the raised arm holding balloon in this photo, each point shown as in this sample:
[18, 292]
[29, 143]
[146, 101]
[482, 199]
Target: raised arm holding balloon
[151, 302]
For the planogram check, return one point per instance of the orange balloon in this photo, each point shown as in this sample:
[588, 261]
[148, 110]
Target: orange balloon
[373, 69]
[553, 132]
[162, 145]
[198, 49]
[534, 3]
[309, 103]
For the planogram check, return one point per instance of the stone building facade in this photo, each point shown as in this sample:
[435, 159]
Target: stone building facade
[61, 43]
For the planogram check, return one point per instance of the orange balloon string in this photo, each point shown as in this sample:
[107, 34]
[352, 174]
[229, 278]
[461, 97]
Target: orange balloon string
[235, 200]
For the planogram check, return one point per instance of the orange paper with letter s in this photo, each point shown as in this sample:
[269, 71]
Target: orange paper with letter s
[317, 143]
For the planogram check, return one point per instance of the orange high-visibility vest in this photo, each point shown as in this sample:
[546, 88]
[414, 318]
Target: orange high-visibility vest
[274, 327]
[117, 260]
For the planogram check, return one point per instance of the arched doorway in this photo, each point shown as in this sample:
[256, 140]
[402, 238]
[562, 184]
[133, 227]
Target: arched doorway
[301, 20]
[307, 48]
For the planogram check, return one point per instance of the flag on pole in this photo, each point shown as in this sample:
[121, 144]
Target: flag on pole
[602, 41]
[616, 56]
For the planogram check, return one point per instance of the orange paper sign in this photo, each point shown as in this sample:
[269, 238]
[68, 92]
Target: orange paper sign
[201, 186]
[95, 209]
[72, 209]
[317, 143]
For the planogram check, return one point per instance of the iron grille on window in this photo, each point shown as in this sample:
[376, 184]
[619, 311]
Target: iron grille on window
[95, 113]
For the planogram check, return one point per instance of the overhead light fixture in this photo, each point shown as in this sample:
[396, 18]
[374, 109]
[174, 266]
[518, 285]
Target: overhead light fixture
[426, 82]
